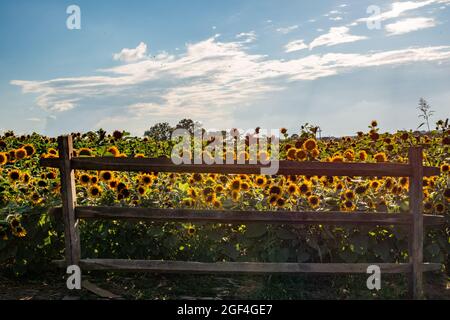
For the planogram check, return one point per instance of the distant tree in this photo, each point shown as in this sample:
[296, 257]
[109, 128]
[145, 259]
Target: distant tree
[425, 113]
[187, 124]
[160, 131]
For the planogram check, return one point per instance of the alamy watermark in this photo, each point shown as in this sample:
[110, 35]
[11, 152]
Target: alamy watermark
[233, 146]
[374, 280]
[73, 21]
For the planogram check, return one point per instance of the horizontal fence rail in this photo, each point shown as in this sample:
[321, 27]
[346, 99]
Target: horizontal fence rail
[246, 216]
[414, 220]
[161, 266]
[286, 167]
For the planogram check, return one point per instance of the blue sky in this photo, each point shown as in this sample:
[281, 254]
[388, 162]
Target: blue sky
[225, 63]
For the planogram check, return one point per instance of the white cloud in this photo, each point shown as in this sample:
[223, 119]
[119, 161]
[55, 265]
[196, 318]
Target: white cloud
[295, 45]
[287, 30]
[247, 37]
[399, 8]
[336, 18]
[131, 55]
[409, 25]
[335, 35]
[208, 81]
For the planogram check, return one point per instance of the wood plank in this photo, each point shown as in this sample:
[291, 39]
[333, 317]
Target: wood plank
[241, 216]
[99, 291]
[161, 266]
[68, 195]
[416, 239]
[285, 167]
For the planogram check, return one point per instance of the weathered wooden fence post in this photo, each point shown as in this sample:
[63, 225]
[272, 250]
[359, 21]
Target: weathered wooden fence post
[416, 233]
[68, 195]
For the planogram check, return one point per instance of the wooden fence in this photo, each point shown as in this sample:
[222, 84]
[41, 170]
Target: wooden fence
[414, 219]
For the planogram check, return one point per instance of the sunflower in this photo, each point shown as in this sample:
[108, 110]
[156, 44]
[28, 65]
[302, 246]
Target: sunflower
[427, 207]
[20, 154]
[403, 181]
[192, 193]
[349, 194]
[235, 184]
[375, 184]
[275, 190]
[301, 154]
[51, 175]
[85, 179]
[85, 152]
[292, 189]
[26, 177]
[14, 175]
[207, 191]
[337, 158]
[362, 155]
[389, 183]
[114, 151]
[440, 207]
[260, 181]
[3, 158]
[348, 205]
[14, 222]
[310, 144]
[210, 198]
[374, 123]
[281, 202]
[95, 191]
[139, 155]
[146, 179]
[380, 157]
[245, 186]
[349, 155]
[361, 189]
[190, 230]
[315, 153]
[19, 231]
[273, 199]
[29, 148]
[42, 183]
[106, 176]
[314, 201]
[36, 198]
[197, 177]
[235, 195]
[291, 153]
[217, 204]
[304, 187]
[445, 168]
[113, 184]
[94, 179]
[52, 151]
[141, 190]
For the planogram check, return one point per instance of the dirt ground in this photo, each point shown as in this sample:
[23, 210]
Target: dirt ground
[155, 287]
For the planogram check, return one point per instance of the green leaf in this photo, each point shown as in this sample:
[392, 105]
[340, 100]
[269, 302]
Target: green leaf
[255, 230]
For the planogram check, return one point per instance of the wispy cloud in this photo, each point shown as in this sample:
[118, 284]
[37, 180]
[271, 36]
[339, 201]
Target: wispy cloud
[287, 30]
[399, 8]
[247, 37]
[131, 55]
[295, 45]
[336, 35]
[207, 81]
[409, 25]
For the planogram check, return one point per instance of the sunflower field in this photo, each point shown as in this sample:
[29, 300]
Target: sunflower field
[30, 236]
